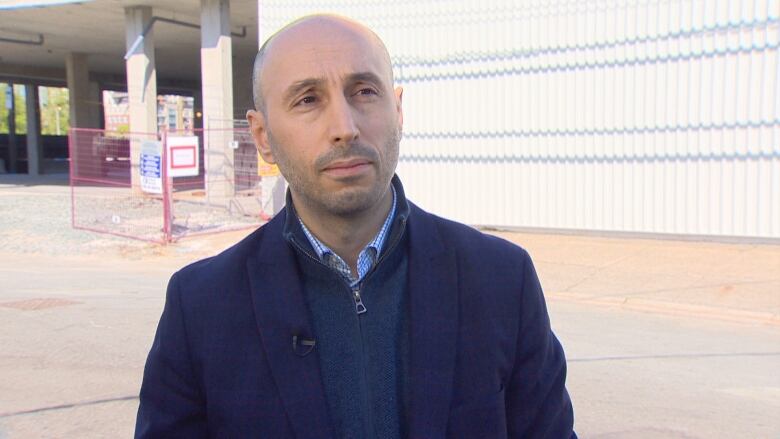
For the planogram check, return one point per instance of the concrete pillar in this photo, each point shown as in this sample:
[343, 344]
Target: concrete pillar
[83, 103]
[141, 83]
[217, 84]
[34, 143]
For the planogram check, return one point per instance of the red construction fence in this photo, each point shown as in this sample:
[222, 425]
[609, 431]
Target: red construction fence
[160, 188]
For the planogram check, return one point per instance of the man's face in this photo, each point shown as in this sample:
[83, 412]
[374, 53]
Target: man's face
[332, 121]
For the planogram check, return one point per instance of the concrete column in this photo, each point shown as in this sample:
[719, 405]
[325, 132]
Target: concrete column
[217, 84]
[141, 83]
[83, 104]
[34, 143]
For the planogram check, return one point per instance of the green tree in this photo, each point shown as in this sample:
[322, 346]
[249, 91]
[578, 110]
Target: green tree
[21, 109]
[55, 110]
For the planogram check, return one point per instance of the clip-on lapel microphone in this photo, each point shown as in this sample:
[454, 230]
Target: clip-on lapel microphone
[302, 346]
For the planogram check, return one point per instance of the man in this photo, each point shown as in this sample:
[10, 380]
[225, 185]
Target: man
[353, 313]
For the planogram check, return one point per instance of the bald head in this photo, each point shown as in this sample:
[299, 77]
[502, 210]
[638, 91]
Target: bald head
[319, 26]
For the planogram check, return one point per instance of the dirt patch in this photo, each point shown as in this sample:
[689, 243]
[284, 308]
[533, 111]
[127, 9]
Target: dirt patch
[38, 304]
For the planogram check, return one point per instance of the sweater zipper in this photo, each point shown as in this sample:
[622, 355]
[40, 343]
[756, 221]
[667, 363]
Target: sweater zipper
[360, 308]
[358, 304]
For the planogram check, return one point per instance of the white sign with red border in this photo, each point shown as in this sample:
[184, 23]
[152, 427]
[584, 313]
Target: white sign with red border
[183, 156]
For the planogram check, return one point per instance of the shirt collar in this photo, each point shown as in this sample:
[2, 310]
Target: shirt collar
[323, 250]
[293, 232]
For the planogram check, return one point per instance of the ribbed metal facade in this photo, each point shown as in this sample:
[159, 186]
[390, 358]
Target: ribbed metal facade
[630, 116]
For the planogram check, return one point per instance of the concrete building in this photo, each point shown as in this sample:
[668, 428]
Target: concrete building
[199, 49]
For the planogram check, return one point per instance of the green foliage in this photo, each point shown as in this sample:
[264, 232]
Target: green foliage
[53, 100]
[21, 112]
[3, 109]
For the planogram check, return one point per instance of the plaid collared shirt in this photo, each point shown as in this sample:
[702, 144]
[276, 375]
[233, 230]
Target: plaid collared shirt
[367, 257]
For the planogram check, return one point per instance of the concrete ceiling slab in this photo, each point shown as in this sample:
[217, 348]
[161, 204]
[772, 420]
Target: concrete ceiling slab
[97, 28]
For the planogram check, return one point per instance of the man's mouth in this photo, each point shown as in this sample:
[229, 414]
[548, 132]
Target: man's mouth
[347, 167]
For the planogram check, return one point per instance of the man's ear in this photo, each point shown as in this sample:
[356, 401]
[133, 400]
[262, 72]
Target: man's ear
[258, 128]
[399, 97]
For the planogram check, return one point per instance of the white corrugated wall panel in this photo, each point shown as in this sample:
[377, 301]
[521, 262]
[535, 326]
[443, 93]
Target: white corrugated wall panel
[625, 115]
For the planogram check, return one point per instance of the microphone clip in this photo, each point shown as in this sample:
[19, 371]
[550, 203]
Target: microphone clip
[302, 346]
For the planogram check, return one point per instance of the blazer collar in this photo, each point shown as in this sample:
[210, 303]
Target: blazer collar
[281, 312]
[433, 298]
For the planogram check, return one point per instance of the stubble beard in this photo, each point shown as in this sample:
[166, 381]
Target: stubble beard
[346, 202]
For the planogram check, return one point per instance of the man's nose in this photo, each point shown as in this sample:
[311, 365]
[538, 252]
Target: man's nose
[343, 129]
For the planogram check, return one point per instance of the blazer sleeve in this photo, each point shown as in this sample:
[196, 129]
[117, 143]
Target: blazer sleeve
[537, 404]
[171, 403]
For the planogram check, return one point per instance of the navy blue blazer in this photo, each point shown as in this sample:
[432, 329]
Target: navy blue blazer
[483, 360]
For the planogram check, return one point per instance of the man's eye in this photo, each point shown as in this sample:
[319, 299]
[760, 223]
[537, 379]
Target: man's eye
[306, 100]
[367, 91]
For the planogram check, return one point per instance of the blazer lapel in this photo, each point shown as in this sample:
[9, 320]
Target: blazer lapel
[280, 312]
[433, 293]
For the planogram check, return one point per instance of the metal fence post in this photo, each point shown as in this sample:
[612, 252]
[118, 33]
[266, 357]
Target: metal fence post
[71, 173]
[166, 190]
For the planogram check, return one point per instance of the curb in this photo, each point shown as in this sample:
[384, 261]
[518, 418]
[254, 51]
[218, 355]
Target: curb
[673, 308]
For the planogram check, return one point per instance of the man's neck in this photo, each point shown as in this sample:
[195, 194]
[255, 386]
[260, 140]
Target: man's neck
[347, 236]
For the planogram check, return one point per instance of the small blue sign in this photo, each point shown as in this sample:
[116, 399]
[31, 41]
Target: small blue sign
[150, 166]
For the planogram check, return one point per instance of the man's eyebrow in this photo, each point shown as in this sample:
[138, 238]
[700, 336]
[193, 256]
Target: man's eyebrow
[297, 86]
[365, 77]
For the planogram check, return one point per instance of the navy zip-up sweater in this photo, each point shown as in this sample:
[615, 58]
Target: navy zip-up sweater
[362, 357]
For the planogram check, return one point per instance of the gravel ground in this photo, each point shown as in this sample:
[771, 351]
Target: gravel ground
[35, 217]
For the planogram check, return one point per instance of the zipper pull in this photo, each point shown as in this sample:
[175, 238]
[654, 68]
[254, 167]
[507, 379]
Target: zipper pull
[359, 307]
